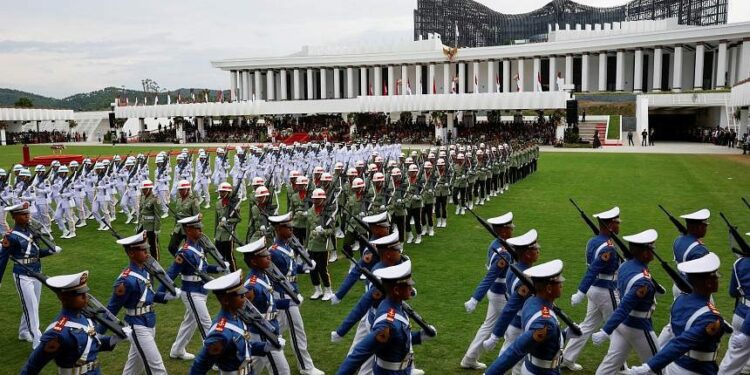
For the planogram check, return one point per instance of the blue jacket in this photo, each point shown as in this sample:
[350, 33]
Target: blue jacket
[602, 261]
[191, 255]
[511, 313]
[354, 274]
[739, 287]
[259, 284]
[17, 244]
[65, 341]
[697, 327]
[637, 297]
[130, 292]
[688, 247]
[541, 338]
[497, 272]
[283, 257]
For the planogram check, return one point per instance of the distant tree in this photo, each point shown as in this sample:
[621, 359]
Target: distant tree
[23, 102]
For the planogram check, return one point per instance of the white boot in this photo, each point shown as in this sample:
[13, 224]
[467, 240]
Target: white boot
[424, 231]
[419, 239]
[81, 223]
[333, 257]
[431, 232]
[463, 211]
[458, 210]
[471, 205]
[328, 294]
[65, 234]
[72, 233]
[208, 204]
[317, 293]
[409, 238]
[130, 217]
[445, 222]
[339, 233]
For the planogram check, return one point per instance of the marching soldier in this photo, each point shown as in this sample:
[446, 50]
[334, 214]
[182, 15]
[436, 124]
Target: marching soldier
[442, 192]
[493, 286]
[378, 202]
[689, 246]
[459, 184]
[299, 208]
[428, 199]
[227, 218]
[42, 198]
[259, 212]
[133, 291]
[414, 204]
[186, 205]
[228, 344]
[149, 217]
[355, 207]
[696, 323]
[391, 339]
[541, 341]
[20, 244]
[319, 229]
[63, 194]
[203, 179]
[71, 340]
[630, 325]
[736, 358]
[397, 203]
[220, 167]
[598, 286]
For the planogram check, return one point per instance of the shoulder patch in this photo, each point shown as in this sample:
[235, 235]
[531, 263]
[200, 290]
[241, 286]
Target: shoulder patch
[253, 279]
[642, 291]
[605, 256]
[52, 346]
[391, 315]
[125, 272]
[545, 312]
[377, 294]
[215, 349]
[120, 289]
[713, 309]
[502, 263]
[60, 325]
[646, 273]
[713, 327]
[540, 334]
[522, 291]
[178, 259]
[383, 335]
[221, 324]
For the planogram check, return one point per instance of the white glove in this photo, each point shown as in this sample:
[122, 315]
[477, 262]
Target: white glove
[471, 305]
[361, 215]
[335, 300]
[169, 297]
[738, 341]
[262, 228]
[304, 213]
[599, 337]
[490, 342]
[223, 221]
[335, 338]
[307, 267]
[426, 337]
[382, 207]
[577, 298]
[224, 268]
[114, 340]
[399, 201]
[282, 342]
[319, 230]
[643, 369]
[430, 191]
[300, 298]
[57, 249]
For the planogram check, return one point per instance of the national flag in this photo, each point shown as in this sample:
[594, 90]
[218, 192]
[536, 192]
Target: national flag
[136, 101]
[179, 97]
[205, 96]
[127, 102]
[517, 78]
[453, 85]
[434, 86]
[253, 99]
[476, 84]
[385, 88]
[538, 84]
[497, 82]
[369, 90]
[156, 99]
[219, 96]
[408, 87]
[192, 95]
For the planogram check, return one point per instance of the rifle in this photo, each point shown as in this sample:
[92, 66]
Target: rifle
[746, 202]
[152, 266]
[430, 331]
[520, 275]
[300, 250]
[586, 218]
[744, 249]
[680, 227]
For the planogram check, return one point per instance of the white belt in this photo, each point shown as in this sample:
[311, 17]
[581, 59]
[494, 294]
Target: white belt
[394, 366]
[139, 310]
[641, 314]
[149, 217]
[80, 370]
[544, 363]
[291, 279]
[244, 370]
[192, 278]
[702, 356]
[746, 301]
[28, 260]
[604, 276]
[271, 315]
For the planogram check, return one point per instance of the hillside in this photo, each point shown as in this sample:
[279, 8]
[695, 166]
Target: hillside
[93, 101]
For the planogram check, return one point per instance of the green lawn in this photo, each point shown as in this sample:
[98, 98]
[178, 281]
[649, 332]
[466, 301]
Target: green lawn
[448, 266]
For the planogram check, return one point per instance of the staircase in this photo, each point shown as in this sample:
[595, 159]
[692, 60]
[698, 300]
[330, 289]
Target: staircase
[296, 137]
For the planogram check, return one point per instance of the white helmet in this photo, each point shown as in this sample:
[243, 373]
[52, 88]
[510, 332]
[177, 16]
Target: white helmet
[147, 184]
[352, 172]
[294, 174]
[39, 168]
[55, 163]
[257, 181]
[338, 165]
[378, 159]
[395, 172]
[440, 162]
[181, 156]
[319, 194]
[225, 186]
[261, 191]
[318, 170]
[63, 169]
[302, 180]
[372, 167]
[409, 160]
[220, 150]
[359, 164]
[392, 163]
[427, 165]
[460, 156]
[378, 177]
[24, 172]
[326, 177]
[183, 184]
[17, 167]
[3, 172]
[413, 168]
[358, 183]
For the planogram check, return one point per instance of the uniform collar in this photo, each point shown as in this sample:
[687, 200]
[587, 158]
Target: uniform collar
[71, 313]
[135, 267]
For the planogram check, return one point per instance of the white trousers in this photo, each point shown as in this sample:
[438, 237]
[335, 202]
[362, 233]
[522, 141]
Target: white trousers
[274, 362]
[291, 320]
[196, 312]
[363, 329]
[601, 303]
[30, 292]
[42, 215]
[127, 202]
[201, 188]
[64, 214]
[511, 334]
[675, 369]
[735, 360]
[622, 340]
[495, 304]
[100, 210]
[143, 344]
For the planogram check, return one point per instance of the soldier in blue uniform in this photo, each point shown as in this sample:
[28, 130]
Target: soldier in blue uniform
[508, 325]
[261, 294]
[540, 344]
[21, 244]
[378, 226]
[391, 338]
[493, 286]
[696, 323]
[283, 256]
[598, 286]
[228, 344]
[630, 325]
[690, 245]
[188, 259]
[71, 340]
[738, 353]
[133, 291]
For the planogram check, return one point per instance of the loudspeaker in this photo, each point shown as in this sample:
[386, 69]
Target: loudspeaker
[571, 113]
[111, 120]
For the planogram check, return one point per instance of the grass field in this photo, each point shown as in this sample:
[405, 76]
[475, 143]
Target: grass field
[449, 265]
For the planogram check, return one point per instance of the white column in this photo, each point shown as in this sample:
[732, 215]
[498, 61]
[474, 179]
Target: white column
[201, 127]
[296, 84]
[363, 88]
[405, 79]
[3, 140]
[553, 73]
[584, 72]
[506, 76]
[323, 83]
[336, 83]
[349, 82]
[677, 71]
[732, 66]
[602, 71]
[232, 86]
[310, 85]
[282, 85]
[241, 90]
[475, 74]
[657, 69]
[537, 68]
[431, 80]
[721, 66]
[619, 71]
[568, 69]
[638, 71]
[390, 81]
[698, 77]
[461, 78]
[446, 78]
[270, 85]
[248, 85]
[744, 62]
[258, 86]
[519, 85]
[491, 75]
[416, 88]
[378, 81]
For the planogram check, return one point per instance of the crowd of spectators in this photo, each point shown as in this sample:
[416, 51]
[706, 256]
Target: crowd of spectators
[541, 131]
[321, 128]
[719, 136]
[54, 136]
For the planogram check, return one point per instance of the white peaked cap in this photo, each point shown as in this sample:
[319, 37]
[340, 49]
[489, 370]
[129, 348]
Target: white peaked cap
[227, 283]
[502, 219]
[705, 264]
[699, 215]
[548, 270]
[646, 237]
[253, 247]
[525, 239]
[386, 240]
[398, 273]
[69, 283]
[609, 214]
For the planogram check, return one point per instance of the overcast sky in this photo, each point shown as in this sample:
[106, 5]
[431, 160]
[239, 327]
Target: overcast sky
[59, 48]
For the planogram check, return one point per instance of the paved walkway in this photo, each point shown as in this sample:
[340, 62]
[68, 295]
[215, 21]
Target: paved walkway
[659, 148]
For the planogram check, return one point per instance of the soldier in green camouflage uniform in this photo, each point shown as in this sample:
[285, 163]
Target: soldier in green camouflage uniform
[298, 208]
[414, 204]
[186, 205]
[378, 200]
[396, 202]
[428, 199]
[319, 229]
[460, 183]
[227, 218]
[442, 191]
[258, 225]
[149, 216]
